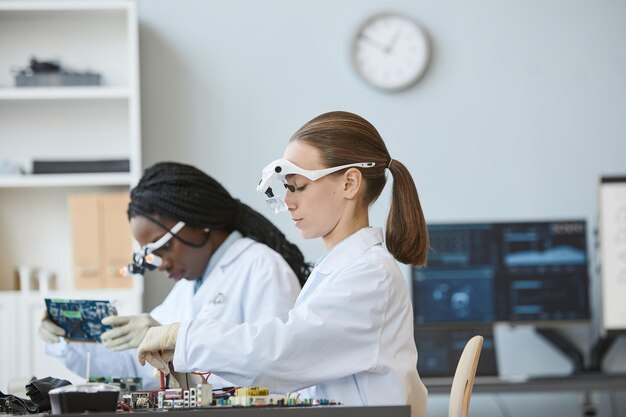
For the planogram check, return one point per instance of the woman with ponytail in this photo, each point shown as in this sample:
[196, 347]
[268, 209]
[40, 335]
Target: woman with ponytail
[229, 263]
[353, 319]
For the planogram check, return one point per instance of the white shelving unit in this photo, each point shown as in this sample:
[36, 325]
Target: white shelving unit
[64, 93]
[60, 123]
[63, 123]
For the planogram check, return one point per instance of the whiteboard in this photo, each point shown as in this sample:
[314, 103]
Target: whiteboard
[612, 206]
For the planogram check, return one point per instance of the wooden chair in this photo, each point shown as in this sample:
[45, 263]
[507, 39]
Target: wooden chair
[463, 381]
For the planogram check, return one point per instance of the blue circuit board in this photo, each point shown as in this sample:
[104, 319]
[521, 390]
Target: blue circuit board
[81, 319]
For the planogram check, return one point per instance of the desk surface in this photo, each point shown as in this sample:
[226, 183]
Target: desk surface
[577, 382]
[325, 411]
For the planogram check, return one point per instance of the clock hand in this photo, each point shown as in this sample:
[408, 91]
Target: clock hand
[373, 42]
[392, 42]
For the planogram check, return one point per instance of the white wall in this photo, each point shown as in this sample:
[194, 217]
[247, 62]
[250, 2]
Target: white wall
[522, 109]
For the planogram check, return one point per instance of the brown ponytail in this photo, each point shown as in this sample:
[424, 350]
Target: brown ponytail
[345, 138]
[406, 235]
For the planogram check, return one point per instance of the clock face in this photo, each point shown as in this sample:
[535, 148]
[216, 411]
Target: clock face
[390, 52]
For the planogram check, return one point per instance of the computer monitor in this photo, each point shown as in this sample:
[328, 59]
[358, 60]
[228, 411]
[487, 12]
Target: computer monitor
[521, 272]
[439, 351]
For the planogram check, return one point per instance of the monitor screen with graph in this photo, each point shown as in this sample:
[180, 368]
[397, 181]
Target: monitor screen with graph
[521, 272]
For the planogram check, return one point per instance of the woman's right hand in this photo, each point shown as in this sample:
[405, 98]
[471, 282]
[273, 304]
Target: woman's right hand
[48, 331]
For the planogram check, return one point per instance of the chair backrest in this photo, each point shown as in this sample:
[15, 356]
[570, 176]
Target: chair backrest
[463, 381]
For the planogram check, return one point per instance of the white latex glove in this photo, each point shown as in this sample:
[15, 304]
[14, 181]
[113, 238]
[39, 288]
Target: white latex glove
[49, 331]
[127, 332]
[158, 347]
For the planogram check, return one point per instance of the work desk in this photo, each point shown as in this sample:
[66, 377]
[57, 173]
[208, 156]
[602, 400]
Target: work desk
[326, 411]
[577, 382]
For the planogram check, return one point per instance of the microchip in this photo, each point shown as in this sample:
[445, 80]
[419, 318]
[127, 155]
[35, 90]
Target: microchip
[81, 319]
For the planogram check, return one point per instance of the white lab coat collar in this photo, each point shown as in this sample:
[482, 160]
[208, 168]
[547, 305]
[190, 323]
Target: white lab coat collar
[351, 247]
[236, 249]
[233, 251]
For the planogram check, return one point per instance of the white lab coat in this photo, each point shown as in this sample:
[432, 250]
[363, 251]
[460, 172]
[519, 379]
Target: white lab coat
[250, 283]
[349, 336]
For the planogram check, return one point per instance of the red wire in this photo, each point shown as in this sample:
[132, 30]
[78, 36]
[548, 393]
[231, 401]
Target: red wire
[162, 380]
[122, 407]
[204, 375]
[161, 375]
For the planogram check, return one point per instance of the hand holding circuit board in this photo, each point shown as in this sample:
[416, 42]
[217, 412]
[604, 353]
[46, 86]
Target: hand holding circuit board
[81, 319]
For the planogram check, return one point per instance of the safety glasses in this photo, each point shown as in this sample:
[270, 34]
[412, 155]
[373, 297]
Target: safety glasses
[144, 258]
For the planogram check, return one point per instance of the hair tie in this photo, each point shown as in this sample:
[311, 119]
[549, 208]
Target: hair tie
[389, 164]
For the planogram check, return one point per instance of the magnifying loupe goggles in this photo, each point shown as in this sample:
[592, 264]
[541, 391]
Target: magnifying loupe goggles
[280, 168]
[144, 258]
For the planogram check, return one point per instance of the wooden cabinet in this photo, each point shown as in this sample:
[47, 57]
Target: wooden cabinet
[100, 239]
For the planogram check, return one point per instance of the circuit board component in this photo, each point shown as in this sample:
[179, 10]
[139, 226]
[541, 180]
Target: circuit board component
[81, 319]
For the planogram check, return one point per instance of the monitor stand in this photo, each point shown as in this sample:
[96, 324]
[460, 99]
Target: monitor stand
[598, 351]
[564, 345]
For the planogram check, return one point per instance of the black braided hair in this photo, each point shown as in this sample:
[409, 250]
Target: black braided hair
[183, 192]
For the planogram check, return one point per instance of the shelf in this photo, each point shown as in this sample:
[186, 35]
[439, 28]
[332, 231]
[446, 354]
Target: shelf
[65, 180]
[64, 6]
[64, 93]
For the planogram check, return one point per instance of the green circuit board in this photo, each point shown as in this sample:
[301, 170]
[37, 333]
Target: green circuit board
[81, 319]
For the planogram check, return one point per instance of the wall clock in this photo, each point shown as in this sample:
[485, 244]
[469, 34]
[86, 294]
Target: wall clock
[390, 51]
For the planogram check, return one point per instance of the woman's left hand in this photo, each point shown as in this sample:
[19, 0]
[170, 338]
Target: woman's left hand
[157, 348]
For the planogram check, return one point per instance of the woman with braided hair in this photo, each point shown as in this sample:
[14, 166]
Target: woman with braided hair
[229, 262]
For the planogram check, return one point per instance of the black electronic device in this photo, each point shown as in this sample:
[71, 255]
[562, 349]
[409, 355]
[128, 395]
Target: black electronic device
[53, 74]
[520, 272]
[439, 350]
[88, 397]
[87, 166]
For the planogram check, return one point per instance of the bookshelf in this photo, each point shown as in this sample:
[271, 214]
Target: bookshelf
[60, 123]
